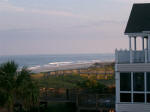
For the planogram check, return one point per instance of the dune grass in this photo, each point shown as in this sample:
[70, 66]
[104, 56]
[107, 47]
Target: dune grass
[74, 79]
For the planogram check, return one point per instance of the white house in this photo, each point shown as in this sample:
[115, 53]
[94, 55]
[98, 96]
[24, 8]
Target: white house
[133, 66]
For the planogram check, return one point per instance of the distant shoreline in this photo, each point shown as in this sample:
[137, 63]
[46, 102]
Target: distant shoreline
[65, 67]
[45, 63]
[61, 67]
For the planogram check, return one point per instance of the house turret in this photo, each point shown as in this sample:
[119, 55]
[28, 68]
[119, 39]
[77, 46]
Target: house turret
[132, 68]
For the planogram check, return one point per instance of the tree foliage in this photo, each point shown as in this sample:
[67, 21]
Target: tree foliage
[17, 87]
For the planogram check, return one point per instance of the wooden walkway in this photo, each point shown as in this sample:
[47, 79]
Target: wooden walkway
[97, 74]
[64, 72]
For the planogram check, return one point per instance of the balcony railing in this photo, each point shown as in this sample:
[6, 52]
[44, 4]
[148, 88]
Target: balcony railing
[130, 56]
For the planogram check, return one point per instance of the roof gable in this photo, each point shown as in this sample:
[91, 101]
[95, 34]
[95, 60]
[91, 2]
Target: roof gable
[139, 19]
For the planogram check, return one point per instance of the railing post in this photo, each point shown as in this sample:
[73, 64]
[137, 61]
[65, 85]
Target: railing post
[131, 56]
[67, 94]
[96, 102]
[77, 102]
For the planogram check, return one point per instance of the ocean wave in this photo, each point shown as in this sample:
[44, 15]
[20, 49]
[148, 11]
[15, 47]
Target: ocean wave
[34, 67]
[47, 65]
[96, 61]
[60, 63]
[89, 61]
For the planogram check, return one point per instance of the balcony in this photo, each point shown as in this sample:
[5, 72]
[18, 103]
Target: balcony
[130, 56]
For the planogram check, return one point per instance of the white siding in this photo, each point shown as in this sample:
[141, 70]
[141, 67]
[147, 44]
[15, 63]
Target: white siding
[138, 67]
[117, 77]
[132, 107]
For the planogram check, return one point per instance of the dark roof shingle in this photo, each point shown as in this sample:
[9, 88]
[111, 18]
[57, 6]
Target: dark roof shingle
[139, 19]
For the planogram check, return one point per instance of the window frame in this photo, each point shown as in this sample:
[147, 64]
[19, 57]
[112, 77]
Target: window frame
[130, 82]
[135, 83]
[145, 92]
[146, 81]
[128, 92]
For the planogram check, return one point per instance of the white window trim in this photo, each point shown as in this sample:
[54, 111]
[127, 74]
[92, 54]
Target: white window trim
[145, 92]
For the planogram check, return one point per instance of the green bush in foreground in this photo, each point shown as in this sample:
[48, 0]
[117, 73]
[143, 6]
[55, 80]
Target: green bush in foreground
[17, 87]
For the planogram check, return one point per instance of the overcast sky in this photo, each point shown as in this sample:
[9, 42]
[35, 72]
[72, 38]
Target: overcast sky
[63, 26]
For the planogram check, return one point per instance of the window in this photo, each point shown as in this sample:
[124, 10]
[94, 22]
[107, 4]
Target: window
[148, 98]
[138, 81]
[125, 81]
[138, 97]
[148, 81]
[125, 97]
[125, 85]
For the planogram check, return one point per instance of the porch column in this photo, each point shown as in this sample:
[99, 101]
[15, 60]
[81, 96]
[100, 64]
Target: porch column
[130, 43]
[143, 43]
[147, 43]
[130, 49]
[135, 43]
[146, 50]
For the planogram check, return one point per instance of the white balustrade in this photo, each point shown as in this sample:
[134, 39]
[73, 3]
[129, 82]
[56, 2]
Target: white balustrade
[139, 56]
[123, 56]
[129, 56]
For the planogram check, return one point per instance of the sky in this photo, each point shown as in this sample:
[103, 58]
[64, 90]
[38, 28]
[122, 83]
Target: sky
[63, 26]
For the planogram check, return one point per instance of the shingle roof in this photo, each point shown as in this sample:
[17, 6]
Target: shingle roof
[139, 19]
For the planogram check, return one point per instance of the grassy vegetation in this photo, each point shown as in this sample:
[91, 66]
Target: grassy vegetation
[68, 81]
[74, 80]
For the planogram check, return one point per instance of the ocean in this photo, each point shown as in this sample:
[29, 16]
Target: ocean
[37, 61]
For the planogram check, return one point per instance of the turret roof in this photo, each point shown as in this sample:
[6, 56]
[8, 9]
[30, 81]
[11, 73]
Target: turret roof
[139, 19]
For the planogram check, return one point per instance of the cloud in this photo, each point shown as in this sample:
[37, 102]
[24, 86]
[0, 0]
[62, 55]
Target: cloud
[133, 1]
[3, 0]
[99, 24]
[140, 1]
[5, 6]
[53, 12]
[130, 1]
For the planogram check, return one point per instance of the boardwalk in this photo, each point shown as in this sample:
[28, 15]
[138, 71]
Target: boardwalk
[85, 72]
